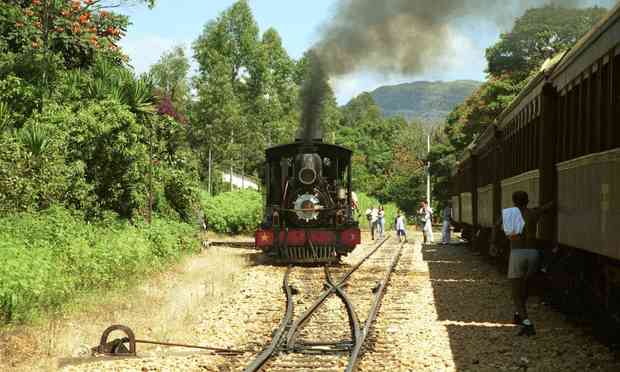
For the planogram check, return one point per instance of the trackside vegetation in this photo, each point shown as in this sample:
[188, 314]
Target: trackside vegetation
[51, 257]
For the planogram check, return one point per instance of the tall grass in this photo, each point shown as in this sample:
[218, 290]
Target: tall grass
[50, 257]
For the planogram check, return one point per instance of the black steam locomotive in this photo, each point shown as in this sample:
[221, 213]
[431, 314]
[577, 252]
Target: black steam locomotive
[308, 214]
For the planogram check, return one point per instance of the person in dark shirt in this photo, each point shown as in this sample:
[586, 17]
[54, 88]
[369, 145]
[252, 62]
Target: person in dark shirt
[524, 258]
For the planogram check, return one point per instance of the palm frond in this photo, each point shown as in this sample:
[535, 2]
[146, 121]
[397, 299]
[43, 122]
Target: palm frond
[138, 95]
[35, 139]
[5, 116]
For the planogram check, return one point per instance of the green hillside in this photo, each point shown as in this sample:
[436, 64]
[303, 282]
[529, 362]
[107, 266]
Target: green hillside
[425, 101]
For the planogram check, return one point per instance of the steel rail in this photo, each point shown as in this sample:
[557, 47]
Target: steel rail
[374, 311]
[354, 322]
[264, 356]
[299, 323]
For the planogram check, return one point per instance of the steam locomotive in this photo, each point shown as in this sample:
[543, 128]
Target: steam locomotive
[308, 216]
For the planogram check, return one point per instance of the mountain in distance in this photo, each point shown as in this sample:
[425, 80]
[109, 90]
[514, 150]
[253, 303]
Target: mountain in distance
[428, 102]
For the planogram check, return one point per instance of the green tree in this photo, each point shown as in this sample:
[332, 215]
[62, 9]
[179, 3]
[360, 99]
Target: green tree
[539, 34]
[170, 78]
[247, 96]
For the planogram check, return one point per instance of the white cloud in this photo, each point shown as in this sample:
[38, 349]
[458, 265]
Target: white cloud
[146, 50]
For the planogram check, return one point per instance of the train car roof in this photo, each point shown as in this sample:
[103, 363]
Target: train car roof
[292, 149]
[591, 47]
[483, 141]
[531, 90]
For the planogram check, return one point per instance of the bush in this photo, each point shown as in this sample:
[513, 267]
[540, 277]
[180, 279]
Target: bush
[233, 212]
[48, 258]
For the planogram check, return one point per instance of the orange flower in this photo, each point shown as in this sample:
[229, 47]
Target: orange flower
[103, 14]
[65, 13]
[75, 5]
[84, 18]
[93, 29]
[35, 44]
[36, 2]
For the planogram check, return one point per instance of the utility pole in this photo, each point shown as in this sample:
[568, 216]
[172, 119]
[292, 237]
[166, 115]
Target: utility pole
[242, 173]
[232, 141]
[428, 172]
[210, 165]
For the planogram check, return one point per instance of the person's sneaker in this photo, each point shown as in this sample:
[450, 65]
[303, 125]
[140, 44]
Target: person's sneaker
[516, 319]
[527, 328]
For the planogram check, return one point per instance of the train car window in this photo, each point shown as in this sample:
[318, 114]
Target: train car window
[585, 115]
[561, 127]
[573, 122]
[566, 123]
[616, 102]
[595, 109]
[605, 97]
[577, 122]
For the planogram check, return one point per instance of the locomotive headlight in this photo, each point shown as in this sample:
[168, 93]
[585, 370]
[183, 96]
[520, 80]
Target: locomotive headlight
[307, 176]
[307, 207]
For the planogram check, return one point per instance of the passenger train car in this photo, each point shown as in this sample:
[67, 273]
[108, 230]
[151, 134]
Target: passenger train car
[559, 140]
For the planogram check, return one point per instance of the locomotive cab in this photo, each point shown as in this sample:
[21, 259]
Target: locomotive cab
[308, 214]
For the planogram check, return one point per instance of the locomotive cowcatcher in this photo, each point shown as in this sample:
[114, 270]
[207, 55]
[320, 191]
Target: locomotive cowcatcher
[308, 215]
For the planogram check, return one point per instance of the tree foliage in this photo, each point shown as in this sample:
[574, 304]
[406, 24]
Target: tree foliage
[539, 34]
[247, 98]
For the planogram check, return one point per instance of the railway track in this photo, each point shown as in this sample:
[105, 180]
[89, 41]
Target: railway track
[330, 313]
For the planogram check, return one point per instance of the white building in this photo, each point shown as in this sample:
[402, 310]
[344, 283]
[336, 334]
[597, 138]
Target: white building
[239, 181]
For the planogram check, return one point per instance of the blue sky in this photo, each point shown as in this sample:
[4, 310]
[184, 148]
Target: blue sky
[174, 22]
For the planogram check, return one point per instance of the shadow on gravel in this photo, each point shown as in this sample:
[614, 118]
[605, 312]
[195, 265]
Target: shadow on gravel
[469, 300]
[472, 301]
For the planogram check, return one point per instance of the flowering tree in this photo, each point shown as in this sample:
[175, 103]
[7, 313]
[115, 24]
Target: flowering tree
[74, 31]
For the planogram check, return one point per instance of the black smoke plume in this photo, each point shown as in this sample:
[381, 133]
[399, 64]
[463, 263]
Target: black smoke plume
[313, 93]
[398, 36]
[405, 36]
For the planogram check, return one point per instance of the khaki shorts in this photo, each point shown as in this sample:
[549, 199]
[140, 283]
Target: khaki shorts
[523, 263]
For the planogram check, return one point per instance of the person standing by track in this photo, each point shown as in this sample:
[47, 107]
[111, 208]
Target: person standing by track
[519, 224]
[381, 221]
[425, 215]
[401, 232]
[372, 215]
[446, 216]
